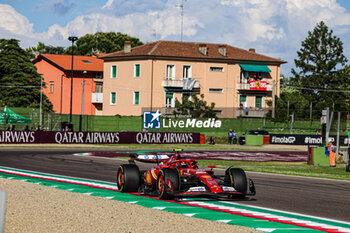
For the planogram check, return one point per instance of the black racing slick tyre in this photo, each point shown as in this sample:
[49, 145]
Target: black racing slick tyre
[238, 180]
[128, 178]
[168, 181]
[347, 168]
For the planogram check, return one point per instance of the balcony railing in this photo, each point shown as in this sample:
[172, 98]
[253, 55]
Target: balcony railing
[177, 83]
[97, 98]
[246, 87]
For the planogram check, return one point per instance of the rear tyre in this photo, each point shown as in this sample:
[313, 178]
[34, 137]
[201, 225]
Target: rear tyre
[238, 180]
[168, 181]
[347, 168]
[128, 178]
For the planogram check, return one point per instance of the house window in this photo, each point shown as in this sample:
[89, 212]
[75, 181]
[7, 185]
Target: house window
[258, 101]
[216, 90]
[246, 76]
[51, 87]
[170, 72]
[98, 75]
[113, 71]
[187, 71]
[216, 69]
[113, 98]
[169, 100]
[243, 101]
[98, 88]
[136, 100]
[137, 68]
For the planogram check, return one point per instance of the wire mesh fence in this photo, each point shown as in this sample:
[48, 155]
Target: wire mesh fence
[242, 124]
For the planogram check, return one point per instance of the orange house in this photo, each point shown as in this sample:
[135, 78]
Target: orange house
[87, 95]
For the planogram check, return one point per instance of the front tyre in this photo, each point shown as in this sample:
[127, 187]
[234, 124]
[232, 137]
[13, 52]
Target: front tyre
[128, 178]
[168, 181]
[238, 180]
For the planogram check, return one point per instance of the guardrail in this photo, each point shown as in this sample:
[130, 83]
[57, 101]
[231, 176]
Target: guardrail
[2, 210]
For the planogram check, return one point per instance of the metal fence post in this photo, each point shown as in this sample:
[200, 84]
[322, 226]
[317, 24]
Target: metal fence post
[2, 210]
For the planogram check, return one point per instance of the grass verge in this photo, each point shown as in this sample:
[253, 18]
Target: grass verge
[285, 168]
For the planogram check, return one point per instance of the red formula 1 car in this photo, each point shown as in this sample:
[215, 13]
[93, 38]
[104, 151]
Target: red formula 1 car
[175, 176]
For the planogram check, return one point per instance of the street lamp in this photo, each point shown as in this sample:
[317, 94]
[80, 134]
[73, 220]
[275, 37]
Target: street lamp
[41, 99]
[82, 98]
[73, 39]
[61, 97]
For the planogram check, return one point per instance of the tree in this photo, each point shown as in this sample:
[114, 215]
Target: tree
[291, 101]
[320, 72]
[103, 42]
[194, 106]
[19, 79]
[47, 49]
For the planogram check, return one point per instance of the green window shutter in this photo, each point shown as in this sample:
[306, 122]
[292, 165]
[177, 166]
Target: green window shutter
[136, 97]
[113, 98]
[242, 98]
[137, 70]
[258, 101]
[114, 71]
[169, 95]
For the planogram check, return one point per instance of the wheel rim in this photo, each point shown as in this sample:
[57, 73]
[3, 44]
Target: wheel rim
[169, 186]
[120, 179]
[160, 184]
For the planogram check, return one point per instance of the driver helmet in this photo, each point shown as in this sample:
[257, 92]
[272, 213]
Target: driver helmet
[183, 164]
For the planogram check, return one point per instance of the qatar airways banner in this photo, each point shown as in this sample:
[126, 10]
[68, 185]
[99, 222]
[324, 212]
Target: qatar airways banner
[12, 137]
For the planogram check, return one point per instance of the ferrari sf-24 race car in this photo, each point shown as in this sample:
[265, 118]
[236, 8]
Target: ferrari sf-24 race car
[174, 176]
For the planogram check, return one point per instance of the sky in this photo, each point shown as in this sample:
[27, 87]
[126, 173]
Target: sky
[274, 28]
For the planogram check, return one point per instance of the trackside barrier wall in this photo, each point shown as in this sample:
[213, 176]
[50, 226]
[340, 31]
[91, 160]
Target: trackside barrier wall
[254, 140]
[2, 210]
[202, 139]
[318, 156]
[266, 139]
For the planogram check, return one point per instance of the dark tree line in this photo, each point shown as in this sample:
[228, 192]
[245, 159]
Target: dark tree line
[100, 42]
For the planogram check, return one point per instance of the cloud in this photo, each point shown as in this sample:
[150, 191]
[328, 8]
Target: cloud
[58, 7]
[120, 8]
[13, 22]
[273, 27]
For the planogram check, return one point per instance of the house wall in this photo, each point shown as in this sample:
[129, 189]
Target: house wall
[153, 96]
[61, 81]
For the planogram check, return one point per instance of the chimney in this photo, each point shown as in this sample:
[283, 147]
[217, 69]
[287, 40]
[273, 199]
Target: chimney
[222, 50]
[127, 47]
[203, 49]
[252, 50]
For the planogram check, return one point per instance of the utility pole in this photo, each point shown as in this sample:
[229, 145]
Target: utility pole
[41, 100]
[273, 98]
[291, 123]
[338, 130]
[310, 111]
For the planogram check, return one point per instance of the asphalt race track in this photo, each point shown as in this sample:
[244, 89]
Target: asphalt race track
[317, 197]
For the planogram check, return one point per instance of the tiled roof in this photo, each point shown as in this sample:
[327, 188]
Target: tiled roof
[191, 50]
[64, 62]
